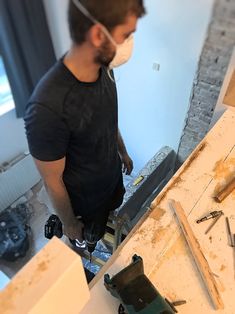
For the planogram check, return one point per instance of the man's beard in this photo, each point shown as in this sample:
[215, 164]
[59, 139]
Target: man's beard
[105, 54]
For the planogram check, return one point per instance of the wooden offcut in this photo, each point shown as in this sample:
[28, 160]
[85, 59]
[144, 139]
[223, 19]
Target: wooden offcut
[221, 195]
[199, 258]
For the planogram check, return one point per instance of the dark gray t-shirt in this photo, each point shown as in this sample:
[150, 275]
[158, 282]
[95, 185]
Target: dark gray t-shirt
[79, 121]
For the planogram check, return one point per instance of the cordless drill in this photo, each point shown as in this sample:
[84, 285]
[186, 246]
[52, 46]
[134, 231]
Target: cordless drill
[92, 233]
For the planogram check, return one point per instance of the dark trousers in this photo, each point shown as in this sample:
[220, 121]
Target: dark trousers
[100, 218]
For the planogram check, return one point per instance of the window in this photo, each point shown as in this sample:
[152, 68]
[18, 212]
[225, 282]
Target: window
[6, 98]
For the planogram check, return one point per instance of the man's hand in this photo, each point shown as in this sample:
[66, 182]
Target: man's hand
[73, 230]
[127, 164]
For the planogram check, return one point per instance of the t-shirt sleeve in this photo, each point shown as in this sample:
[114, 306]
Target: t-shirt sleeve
[47, 133]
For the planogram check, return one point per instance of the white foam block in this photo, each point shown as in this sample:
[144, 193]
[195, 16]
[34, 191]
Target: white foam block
[52, 282]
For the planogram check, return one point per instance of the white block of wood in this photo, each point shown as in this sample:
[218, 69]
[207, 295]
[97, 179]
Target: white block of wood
[52, 282]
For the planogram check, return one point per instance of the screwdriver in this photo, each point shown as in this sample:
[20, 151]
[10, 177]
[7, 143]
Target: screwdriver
[213, 214]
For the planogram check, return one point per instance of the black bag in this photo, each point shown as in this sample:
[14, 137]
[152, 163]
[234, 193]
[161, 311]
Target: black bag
[14, 233]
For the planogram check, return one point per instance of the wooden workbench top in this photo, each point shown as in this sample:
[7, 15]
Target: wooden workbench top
[158, 239]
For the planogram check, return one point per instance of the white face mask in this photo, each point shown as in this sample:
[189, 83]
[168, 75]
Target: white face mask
[123, 51]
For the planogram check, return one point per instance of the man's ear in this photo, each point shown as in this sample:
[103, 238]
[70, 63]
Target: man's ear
[96, 35]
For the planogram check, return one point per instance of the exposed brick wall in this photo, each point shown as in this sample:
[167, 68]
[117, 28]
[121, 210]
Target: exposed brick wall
[211, 71]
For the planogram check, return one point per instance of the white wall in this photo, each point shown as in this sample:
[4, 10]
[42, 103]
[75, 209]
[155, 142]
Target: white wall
[152, 105]
[12, 137]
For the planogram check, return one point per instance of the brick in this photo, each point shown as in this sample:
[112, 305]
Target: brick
[213, 64]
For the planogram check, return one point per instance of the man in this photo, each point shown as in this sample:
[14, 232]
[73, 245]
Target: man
[71, 118]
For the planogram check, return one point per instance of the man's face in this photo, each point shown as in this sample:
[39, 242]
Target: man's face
[107, 50]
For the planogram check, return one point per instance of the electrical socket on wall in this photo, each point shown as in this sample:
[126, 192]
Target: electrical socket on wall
[156, 66]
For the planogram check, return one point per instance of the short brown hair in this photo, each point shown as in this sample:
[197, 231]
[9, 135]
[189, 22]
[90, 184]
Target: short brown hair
[110, 13]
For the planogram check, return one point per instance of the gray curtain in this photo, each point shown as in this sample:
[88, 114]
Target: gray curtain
[25, 45]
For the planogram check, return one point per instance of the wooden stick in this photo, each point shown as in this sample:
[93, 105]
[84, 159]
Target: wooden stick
[199, 258]
[225, 192]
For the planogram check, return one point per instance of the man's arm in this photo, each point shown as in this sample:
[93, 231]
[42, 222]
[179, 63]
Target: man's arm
[125, 158]
[52, 174]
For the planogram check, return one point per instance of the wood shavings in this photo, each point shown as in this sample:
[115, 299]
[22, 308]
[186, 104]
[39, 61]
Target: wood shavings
[158, 213]
[222, 268]
[158, 235]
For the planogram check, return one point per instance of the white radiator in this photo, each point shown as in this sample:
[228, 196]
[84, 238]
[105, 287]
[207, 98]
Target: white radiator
[16, 179]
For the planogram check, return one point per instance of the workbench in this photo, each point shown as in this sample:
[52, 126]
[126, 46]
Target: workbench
[158, 238]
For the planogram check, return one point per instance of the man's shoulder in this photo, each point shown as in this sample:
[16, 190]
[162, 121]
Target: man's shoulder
[52, 88]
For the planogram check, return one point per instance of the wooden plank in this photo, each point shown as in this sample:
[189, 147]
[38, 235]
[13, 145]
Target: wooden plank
[199, 258]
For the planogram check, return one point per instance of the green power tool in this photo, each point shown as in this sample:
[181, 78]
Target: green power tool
[136, 292]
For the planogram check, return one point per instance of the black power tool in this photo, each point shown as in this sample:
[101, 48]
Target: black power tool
[53, 227]
[136, 292]
[92, 233]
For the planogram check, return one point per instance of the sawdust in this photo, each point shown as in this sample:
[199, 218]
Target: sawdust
[141, 235]
[178, 181]
[224, 168]
[141, 232]
[178, 248]
[157, 213]
[9, 294]
[158, 235]
[42, 267]
[212, 255]
[7, 298]
[223, 267]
